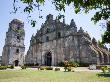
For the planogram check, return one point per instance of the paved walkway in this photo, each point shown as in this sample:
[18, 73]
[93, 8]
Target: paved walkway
[62, 69]
[86, 69]
[80, 69]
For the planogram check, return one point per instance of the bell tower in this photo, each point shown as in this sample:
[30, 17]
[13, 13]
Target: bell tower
[13, 50]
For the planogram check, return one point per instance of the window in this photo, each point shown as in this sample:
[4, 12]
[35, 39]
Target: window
[17, 50]
[59, 34]
[18, 28]
[18, 37]
[48, 30]
[47, 38]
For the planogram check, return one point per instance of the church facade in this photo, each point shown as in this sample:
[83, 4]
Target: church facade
[56, 42]
[13, 50]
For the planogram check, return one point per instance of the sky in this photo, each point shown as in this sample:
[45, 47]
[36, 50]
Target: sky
[82, 20]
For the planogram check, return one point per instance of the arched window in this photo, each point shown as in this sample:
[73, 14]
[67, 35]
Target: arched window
[47, 38]
[18, 37]
[48, 30]
[17, 50]
[18, 28]
[59, 34]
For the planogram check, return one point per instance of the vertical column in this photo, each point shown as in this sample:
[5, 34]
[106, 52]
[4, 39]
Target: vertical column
[52, 57]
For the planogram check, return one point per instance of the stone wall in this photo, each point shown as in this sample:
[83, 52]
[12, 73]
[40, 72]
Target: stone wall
[63, 42]
[14, 48]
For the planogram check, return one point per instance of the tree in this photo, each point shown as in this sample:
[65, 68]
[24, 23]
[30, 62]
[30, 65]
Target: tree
[100, 44]
[106, 35]
[102, 7]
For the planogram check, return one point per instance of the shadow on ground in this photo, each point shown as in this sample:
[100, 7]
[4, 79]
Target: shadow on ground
[104, 75]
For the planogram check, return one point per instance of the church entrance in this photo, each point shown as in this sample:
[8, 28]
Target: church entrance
[48, 59]
[16, 62]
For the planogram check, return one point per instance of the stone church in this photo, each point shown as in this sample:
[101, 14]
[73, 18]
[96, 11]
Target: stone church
[13, 50]
[56, 42]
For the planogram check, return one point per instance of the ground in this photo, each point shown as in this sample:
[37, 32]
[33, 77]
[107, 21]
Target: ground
[33, 75]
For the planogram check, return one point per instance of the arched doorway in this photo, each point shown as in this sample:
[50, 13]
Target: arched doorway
[16, 62]
[48, 59]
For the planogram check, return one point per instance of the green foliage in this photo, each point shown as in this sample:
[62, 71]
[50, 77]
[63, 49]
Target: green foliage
[31, 64]
[73, 64]
[23, 67]
[11, 67]
[28, 9]
[100, 44]
[57, 69]
[102, 7]
[68, 65]
[104, 69]
[42, 68]
[69, 68]
[61, 64]
[86, 6]
[27, 1]
[99, 66]
[33, 22]
[106, 35]
[78, 5]
[83, 64]
[3, 67]
[48, 68]
[109, 70]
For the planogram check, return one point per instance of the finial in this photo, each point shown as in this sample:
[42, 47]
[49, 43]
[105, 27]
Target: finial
[81, 29]
[72, 24]
[49, 17]
[63, 20]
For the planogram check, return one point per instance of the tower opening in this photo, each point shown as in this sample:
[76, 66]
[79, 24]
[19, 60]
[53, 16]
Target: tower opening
[48, 59]
[16, 62]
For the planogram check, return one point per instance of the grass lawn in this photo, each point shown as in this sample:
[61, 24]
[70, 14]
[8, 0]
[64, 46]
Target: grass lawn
[49, 76]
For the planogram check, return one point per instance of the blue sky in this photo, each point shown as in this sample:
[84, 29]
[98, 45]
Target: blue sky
[81, 19]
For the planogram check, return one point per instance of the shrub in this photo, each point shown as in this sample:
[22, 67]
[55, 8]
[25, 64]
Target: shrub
[69, 63]
[103, 69]
[23, 67]
[99, 66]
[42, 68]
[37, 64]
[11, 67]
[3, 67]
[8, 66]
[84, 64]
[108, 69]
[48, 68]
[65, 68]
[69, 68]
[61, 64]
[57, 69]
[73, 64]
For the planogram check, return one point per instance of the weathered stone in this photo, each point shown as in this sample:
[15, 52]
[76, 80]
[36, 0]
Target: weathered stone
[57, 41]
[13, 50]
